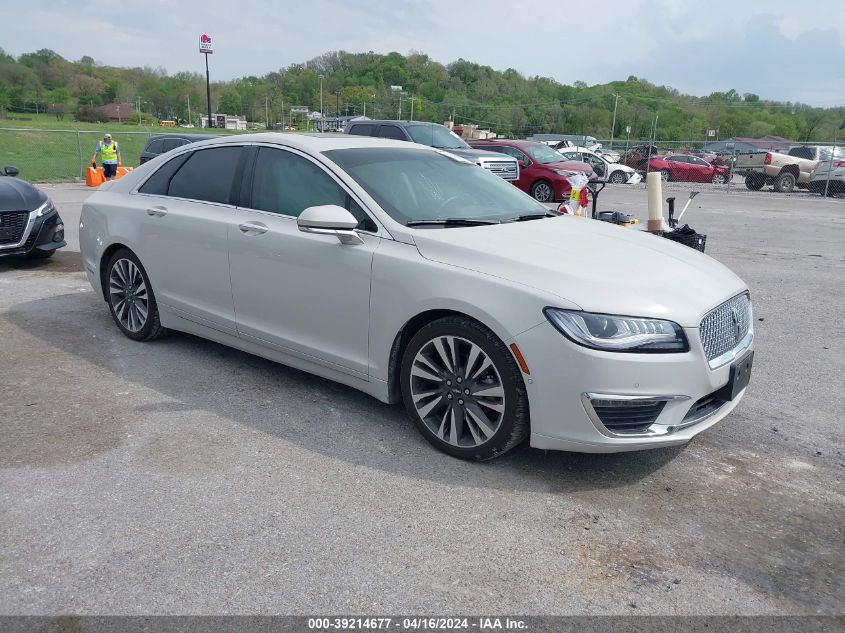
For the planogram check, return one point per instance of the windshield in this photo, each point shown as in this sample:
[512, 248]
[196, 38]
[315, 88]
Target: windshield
[436, 136]
[417, 184]
[542, 154]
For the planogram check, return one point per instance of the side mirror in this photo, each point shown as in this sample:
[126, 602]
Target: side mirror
[11, 170]
[523, 163]
[330, 219]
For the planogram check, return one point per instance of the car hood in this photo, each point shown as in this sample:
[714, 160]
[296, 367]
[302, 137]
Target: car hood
[19, 195]
[595, 265]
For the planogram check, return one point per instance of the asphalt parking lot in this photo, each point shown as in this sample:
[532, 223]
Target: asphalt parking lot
[181, 476]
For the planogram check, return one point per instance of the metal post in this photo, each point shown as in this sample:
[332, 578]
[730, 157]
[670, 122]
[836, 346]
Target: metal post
[830, 166]
[412, 107]
[399, 118]
[208, 89]
[731, 170]
[79, 153]
[321, 104]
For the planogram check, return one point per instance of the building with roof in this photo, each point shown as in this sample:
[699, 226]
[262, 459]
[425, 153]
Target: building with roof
[115, 111]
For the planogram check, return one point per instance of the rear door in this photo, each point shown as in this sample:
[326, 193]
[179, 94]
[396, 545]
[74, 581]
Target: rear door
[184, 211]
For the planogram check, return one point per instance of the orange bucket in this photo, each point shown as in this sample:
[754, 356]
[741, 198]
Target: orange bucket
[122, 171]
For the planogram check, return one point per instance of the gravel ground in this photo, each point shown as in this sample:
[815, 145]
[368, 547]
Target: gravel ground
[183, 477]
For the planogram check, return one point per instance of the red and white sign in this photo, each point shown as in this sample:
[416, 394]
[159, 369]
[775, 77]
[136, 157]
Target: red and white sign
[205, 43]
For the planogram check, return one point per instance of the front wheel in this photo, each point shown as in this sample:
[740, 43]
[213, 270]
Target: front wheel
[618, 178]
[130, 297]
[719, 179]
[755, 181]
[463, 389]
[665, 175]
[542, 191]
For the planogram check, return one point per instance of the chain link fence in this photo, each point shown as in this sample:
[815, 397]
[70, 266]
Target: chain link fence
[810, 169]
[62, 155]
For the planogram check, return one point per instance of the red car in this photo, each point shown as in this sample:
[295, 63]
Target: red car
[542, 171]
[688, 168]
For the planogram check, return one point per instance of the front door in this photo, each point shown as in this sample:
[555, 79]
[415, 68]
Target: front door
[305, 294]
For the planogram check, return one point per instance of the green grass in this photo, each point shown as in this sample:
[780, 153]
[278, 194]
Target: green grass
[48, 150]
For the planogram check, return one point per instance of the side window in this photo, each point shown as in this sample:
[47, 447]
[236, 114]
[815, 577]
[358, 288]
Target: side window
[802, 152]
[510, 151]
[154, 146]
[362, 129]
[207, 175]
[158, 183]
[172, 143]
[392, 131]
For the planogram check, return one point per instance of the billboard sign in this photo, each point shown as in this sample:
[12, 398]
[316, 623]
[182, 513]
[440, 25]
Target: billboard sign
[205, 44]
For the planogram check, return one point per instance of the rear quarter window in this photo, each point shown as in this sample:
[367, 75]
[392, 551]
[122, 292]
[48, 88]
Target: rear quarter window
[362, 129]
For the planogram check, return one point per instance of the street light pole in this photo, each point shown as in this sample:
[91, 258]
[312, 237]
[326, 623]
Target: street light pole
[321, 104]
[613, 125]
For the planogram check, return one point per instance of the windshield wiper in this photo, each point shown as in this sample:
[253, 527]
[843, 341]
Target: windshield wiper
[531, 216]
[452, 222]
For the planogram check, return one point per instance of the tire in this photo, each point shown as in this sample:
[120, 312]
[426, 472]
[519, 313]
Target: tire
[37, 254]
[542, 191]
[618, 178]
[131, 299]
[720, 179]
[665, 175]
[478, 412]
[755, 181]
[785, 182]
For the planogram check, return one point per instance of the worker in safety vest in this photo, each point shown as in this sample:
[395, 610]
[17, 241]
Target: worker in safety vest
[109, 152]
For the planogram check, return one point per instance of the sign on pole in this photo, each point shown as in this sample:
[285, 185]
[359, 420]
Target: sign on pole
[205, 44]
[711, 132]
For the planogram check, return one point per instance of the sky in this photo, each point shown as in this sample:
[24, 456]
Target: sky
[777, 49]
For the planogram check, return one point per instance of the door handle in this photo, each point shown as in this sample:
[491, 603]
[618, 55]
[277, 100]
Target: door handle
[252, 228]
[157, 211]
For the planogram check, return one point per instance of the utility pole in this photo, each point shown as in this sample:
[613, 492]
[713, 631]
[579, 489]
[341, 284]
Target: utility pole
[412, 107]
[266, 112]
[190, 121]
[613, 125]
[321, 103]
[138, 99]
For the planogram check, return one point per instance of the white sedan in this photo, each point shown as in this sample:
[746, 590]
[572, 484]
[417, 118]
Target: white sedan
[607, 171]
[415, 276]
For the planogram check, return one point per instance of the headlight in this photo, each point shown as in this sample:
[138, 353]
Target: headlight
[45, 209]
[564, 172]
[612, 333]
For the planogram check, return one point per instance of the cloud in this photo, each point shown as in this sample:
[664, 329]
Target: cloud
[775, 49]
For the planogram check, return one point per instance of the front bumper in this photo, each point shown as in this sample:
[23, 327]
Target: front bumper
[42, 234]
[564, 376]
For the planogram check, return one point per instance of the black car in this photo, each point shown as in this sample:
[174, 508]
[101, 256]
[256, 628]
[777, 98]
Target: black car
[161, 143]
[29, 223]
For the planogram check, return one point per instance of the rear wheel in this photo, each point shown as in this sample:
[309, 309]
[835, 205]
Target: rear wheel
[131, 299]
[755, 181]
[463, 389]
[785, 182]
[542, 191]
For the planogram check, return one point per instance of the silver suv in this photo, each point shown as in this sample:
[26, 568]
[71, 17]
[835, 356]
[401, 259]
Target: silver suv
[435, 135]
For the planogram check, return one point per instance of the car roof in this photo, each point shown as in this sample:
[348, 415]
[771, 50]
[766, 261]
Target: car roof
[512, 142]
[195, 137]
[309, 142]
[394, 122]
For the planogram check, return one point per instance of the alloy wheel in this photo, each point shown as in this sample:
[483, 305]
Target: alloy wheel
[128, 295]
[457, 391]
[542, 192]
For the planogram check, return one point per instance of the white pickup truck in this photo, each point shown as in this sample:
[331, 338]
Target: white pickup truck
[783, 171]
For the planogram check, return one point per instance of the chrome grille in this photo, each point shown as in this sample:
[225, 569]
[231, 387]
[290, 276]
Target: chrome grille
[12, 226]
[722, 329]
[504, 168]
